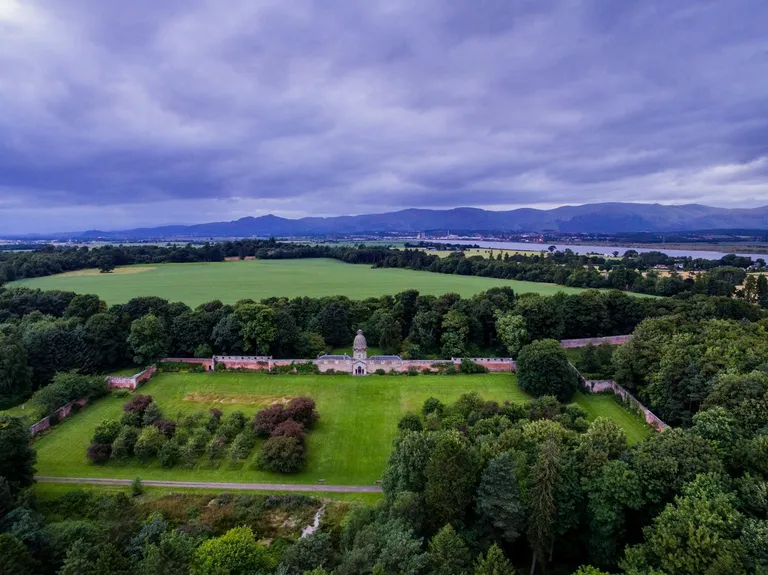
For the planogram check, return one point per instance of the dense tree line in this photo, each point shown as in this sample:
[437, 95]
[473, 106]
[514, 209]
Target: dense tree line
[632, 272]
[45, 332]
[677, 367]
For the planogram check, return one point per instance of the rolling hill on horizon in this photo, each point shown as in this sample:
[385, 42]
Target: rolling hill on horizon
[588, 218]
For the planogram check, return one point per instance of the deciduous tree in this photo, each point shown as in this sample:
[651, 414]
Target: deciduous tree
[148, 339]
[235, 553]
[257, 326]
[17, 458]
[543, 369]
[512, 332]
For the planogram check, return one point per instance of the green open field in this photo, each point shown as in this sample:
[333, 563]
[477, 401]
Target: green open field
[257, 279]
[349, 445]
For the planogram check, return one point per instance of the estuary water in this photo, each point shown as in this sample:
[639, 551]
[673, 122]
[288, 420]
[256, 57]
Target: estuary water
[603, 250]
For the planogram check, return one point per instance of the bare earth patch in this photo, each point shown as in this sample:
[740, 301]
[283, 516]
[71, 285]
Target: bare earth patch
[237, 399]
[129, 270]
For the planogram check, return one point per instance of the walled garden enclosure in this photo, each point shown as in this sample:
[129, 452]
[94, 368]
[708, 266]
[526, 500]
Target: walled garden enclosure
[349, 445]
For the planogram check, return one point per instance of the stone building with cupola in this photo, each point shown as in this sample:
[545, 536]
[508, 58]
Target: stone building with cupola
[358, 364]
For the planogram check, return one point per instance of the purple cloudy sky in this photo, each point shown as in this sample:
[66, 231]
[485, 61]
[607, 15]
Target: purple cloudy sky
[119, 114]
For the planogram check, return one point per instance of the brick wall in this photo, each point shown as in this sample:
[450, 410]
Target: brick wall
[61, 413]
[121, 382]
[145, 375]
[131, 382]
[242, 364]
[253, 363]
[206, 362]
[496, 364]
[612, 339]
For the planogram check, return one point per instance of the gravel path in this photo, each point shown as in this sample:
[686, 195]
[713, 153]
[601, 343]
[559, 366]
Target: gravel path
[205, 485]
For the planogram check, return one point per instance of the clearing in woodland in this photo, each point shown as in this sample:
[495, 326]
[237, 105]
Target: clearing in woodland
[348, 446]
[197, 283]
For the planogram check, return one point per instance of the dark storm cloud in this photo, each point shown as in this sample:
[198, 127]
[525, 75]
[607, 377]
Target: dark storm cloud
[115, 115]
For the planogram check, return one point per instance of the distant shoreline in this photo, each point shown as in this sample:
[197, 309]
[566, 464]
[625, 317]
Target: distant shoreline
[761, 248]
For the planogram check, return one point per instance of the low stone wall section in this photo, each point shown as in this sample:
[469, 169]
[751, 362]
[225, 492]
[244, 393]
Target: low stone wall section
[133, 381]
[582, 342]
[496, 363]
[254, 363]
[205, 362]
[59, 414]
[596, 386]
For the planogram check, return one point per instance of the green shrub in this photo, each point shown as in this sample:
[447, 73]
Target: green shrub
[149, 443]
[151, 414]
[181, 367]
[470, 367]
[192, 421]
[189, 455]
[543, 369]
[282, 454]
[106, 431]
[432, 405]
[216, 448]
[232, 425]
[199, 439]
[242, 445]
[130, 419]
[170, 453]
[122, 447]
[410, 421]
[99, 452]
[68, 387]
[137, 488]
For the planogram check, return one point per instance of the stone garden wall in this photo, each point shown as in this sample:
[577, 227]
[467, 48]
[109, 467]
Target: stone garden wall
[582, 342]
[133, 381]
[205, 362]
[596, 386]
[58, 415]
[266, 363]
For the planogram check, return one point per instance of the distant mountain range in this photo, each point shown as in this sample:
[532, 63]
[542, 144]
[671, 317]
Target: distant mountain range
[589, 218]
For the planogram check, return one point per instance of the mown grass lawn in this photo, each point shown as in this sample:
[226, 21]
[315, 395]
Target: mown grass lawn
[604, 405]
[258, 279]
[349, 445]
